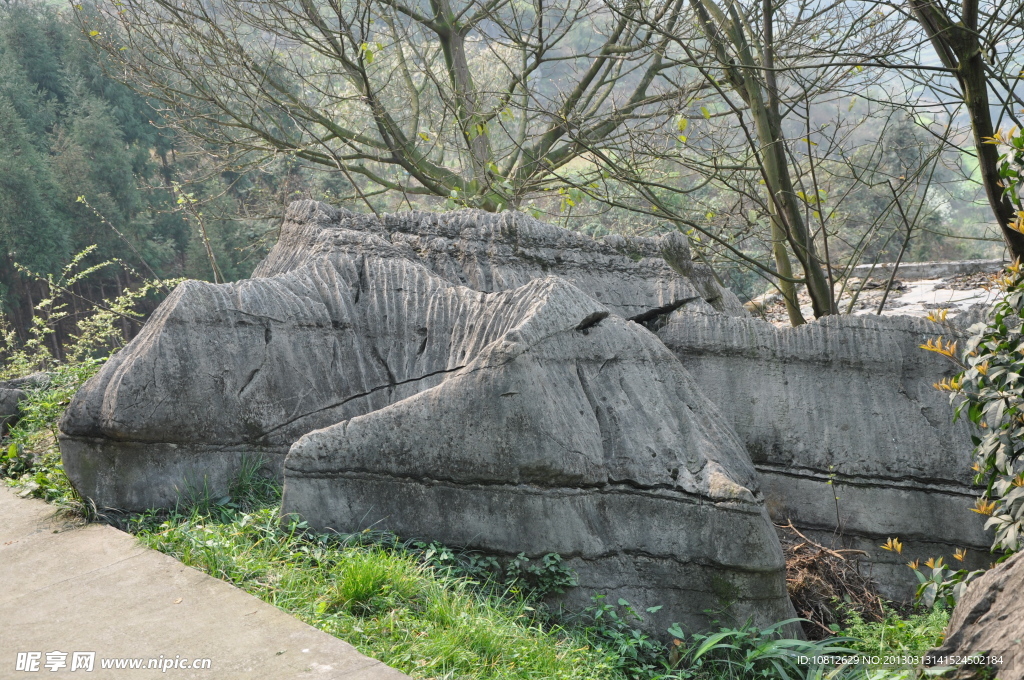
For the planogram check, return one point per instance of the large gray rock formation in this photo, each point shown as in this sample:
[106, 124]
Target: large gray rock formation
[845, 407]
[573, 431]
[531, 419]
[340, 320]
[987, 622]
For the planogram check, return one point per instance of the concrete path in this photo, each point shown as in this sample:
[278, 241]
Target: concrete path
[94, 589]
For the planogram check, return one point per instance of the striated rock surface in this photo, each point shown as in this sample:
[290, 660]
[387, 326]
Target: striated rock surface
[634, 277]
[845, 407]
[987, 622]
[573, 431]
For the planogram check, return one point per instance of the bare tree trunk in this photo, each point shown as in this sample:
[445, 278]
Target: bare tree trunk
[784, 267]
[772, 159]
[959, 47]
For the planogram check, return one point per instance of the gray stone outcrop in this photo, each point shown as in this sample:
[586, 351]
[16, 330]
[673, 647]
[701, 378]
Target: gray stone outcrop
[336, 322]
[12, 393]
[479, 379]
[573, 431]
[987, 622]
[10, 412]
[845, 407]
[529, 417]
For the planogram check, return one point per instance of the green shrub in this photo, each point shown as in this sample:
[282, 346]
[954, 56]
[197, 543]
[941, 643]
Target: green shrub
[990, 392]
[749, 652]
[615, 630]
[30, 455]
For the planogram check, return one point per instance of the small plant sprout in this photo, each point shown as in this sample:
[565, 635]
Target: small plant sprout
[940, 586]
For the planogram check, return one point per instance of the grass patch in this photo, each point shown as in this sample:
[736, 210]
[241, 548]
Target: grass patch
[384, 601]
[912, 634]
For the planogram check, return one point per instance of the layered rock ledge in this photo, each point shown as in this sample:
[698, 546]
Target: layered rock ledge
[845, 407]
[341, 319]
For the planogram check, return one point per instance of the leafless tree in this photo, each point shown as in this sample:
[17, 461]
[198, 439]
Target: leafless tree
[779, 110]
[774, 124]
[478, 101]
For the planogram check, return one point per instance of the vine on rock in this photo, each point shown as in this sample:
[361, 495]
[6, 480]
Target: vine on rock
[989, 390]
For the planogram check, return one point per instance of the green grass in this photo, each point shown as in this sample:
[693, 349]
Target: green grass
[384, 601]
[902, 635]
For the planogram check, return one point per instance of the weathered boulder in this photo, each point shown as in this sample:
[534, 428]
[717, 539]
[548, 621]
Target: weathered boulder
[342, 319]
[12, 393]
[845, 407]
[987, 622]
[572, 431]
[10, 412]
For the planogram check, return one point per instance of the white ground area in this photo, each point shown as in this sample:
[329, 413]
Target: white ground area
[919, 289]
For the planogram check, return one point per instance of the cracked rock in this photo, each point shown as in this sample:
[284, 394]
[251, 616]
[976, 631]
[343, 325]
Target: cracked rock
[986, 627]
[574, 432]
[346, 315]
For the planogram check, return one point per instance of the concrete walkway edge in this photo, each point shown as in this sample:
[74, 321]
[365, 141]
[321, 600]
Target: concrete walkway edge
[70, 588]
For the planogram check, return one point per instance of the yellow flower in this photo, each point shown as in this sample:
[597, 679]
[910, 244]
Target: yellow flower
[938, 315]
[982, 368]
[892, 545]
[959, 555]
[913, 565]
[984, 507]
[933, 563]
[939, 346]
[1002, 136]
[949, 384]
[1017, 224]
